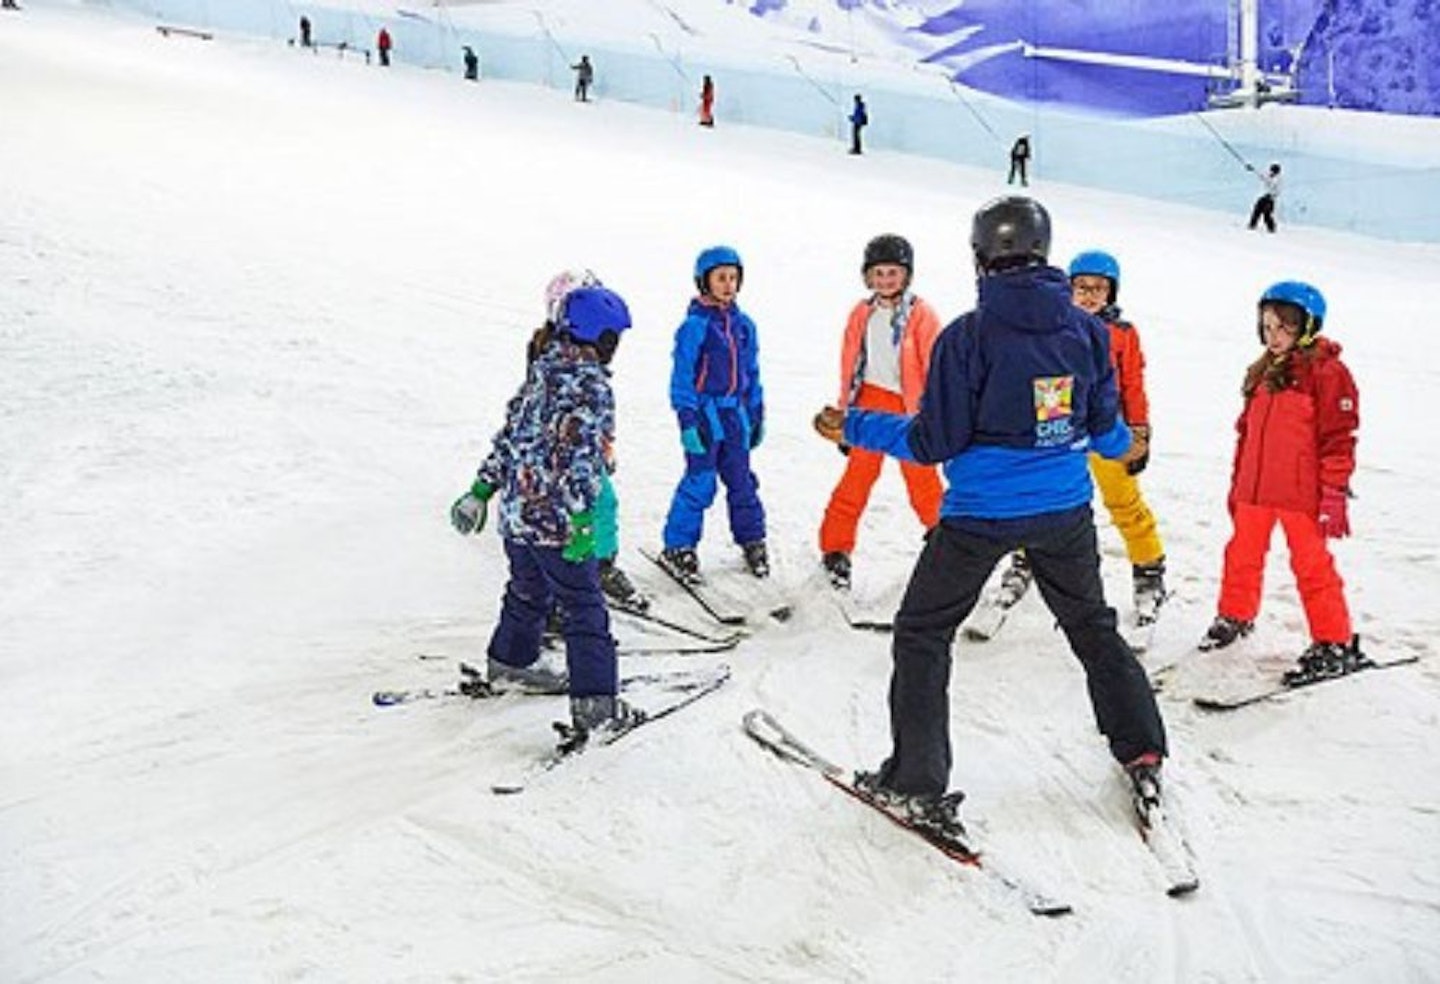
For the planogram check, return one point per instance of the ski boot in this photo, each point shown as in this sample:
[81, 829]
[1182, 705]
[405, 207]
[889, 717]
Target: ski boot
[757, 558]
[1223, 631]
[1144, 775]
[596, 715]
[619, 590]
[1324, 660]
[937, 816]
[1150, 591]
[681, 563]
[837, 565]
[1016, 579]
[532, 679]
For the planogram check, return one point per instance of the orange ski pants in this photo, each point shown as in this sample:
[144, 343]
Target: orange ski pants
[862, 468]
[1322, 593]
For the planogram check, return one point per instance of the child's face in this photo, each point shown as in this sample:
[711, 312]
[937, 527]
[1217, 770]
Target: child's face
[1279, 334]
[724, 283]
[886, 279]
[1089, 292]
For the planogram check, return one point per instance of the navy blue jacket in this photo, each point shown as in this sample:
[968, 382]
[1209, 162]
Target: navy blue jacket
[1019, 390]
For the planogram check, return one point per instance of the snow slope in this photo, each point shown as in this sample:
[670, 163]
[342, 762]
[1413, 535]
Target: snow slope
[260, 313]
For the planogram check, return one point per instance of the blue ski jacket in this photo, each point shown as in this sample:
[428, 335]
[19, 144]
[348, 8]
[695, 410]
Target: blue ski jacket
[1019, 390]
[716, 365]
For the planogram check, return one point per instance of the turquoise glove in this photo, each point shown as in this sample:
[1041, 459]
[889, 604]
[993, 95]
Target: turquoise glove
[581, 545]
[690, 438]
[467, 513]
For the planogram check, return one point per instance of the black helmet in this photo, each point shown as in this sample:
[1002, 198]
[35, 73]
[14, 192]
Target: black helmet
[1009, 232]
[889, 249]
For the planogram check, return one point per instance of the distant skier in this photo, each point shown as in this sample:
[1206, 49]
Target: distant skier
[547, 465]
[1019, 390]
[1019, 160]
[1294, 457]
[472, 64]
[1264, 210]
[383, 45]
[859, 119]
[707, 102]
[305, 40]
[720, 407]
[584, 75]
[884, 359]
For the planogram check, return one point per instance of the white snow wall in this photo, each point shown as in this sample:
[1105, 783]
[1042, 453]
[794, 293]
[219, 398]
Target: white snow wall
[1351, 184]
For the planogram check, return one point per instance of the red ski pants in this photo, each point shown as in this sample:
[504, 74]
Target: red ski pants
[1321, 591]
[862, 468]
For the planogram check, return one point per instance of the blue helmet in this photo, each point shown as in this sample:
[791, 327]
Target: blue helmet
[589, 312]
[1097, 263]
[712, 257]
[1300, 295]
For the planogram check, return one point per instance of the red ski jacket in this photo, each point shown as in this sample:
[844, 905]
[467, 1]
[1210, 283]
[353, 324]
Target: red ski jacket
[1295, 440]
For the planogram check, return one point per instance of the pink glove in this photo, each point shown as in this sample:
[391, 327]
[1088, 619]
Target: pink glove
[1334, 522]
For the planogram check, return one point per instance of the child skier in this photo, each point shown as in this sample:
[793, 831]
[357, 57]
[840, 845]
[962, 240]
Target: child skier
[616, 584]
[1095, 288]
[717, 397]
[1293, 460]
[548, 463]
[884, 358]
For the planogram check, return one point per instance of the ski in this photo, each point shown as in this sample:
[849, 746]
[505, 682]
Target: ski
[1222, 703]
[988, 618]
[650, 617]
[712, 606]
[701, 685]
[475, 687]
[1160, 832]
[773, 736]
[863, 618]
[990, 615]
[657, 647]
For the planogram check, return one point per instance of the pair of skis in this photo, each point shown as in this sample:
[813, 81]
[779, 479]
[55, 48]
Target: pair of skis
[724, 610]
[1271, 691]
[1171, 852]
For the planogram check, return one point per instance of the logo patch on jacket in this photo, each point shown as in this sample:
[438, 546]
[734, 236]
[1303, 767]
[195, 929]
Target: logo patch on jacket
[1054, 396]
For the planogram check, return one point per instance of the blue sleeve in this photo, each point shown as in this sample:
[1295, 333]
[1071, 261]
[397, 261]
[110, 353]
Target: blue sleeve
[876, 430]
[755, 398]
[683, 398]
[1114, 442]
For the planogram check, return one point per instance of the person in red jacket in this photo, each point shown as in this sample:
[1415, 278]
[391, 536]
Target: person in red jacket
[383, 45]
[884, 359]
[1293, 461]
[707, 102]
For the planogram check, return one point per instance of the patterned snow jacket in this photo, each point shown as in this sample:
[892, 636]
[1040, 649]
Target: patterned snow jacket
[1297, 430]
[548, 460]
[716, 365]
[1019, 390]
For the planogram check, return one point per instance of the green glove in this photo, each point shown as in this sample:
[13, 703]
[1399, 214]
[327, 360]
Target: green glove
[581, 545]
[467, 513]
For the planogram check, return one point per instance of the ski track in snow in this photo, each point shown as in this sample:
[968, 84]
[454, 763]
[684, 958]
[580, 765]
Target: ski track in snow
[260, 316]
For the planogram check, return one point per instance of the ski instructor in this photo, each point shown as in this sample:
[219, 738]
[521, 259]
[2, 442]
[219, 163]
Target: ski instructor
[1019, 391]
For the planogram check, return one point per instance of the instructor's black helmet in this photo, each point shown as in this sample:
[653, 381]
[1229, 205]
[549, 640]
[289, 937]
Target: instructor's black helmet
[889, 248]
[1007, 232]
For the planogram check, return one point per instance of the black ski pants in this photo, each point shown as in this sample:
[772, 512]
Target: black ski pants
[1264, 211]
[944, 587]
